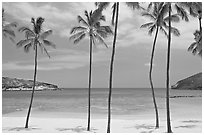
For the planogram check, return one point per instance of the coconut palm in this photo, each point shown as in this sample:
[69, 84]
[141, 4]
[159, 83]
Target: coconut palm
[195, 10]
[33, 38]
[7, 27]
[92, 28]
[196, 47]
[159, 22]
[183, 14]
[115, 17]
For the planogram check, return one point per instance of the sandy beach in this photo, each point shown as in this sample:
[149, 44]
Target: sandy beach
[186, 117]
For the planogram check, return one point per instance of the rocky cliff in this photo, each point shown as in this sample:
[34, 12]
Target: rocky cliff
[193, 82]
[21, 84]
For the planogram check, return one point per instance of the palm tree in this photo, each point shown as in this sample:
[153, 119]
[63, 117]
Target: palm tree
[159, 23]
[7, 27]
[92, 28]
[183, 14]
[195, 10]
[115, 18]
[196, 47]
[33, 38]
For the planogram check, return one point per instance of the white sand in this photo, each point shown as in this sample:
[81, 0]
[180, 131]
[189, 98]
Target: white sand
[186, 118]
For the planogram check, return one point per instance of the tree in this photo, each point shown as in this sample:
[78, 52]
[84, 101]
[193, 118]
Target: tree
[33, 38]
[7, 27]
[183, 14]
[195, 10]
[196, 47]
[92, 28]
[115, 18]
[159, 22]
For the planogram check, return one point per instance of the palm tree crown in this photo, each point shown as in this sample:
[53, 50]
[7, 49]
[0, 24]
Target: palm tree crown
[7, 27]
[196, 47]
[35, 36]
[159, 18]
[90, 27]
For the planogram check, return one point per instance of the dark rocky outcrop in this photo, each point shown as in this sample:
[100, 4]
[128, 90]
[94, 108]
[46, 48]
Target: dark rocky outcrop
[193, 82]
[21, 84]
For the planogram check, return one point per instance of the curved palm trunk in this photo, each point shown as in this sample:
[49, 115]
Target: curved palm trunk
[111, 69]
[89, 93]
[167, 80]
[32, 95]
[150, 79]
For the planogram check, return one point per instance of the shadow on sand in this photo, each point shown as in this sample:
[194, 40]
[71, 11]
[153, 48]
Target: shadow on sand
[21, 129]
[78, 129]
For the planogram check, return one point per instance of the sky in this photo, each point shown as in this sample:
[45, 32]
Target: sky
[69, 63]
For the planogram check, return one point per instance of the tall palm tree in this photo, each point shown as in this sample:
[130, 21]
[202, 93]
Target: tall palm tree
[159, 22]
[115, 18]
[183, 14]
[92, 28]
[7, 27]
[33, 38]
[196, 47]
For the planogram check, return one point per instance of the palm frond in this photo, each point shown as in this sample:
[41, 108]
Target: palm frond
[77, 35]
[174, 18]
[87, 17]
[44, 49]
[77, 28]
[24, 42]
[164, 31]
[174, 31]
[192, 46]
[181, 12]
[151, 29]
[13, 24]
[102, 5]
[134, 5]
[22, 29]
[147, 25]
[79, 38]
[146, 14]
[80, 19]
[45, 34]
[9, 32]
[48, 43]
[27, 47]
[106, 29]
[100, 39]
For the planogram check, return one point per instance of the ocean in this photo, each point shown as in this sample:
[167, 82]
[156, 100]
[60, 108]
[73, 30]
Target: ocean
[125, 101]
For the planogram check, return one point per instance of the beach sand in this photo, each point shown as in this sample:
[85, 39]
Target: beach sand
[185, 118]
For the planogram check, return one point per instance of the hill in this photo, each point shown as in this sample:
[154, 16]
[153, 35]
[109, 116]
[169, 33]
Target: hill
[21, 84]
[193, 82]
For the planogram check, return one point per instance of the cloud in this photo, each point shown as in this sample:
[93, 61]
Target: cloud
[61, 59]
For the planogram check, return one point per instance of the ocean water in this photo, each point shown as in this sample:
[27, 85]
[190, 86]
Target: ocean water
[125, 101]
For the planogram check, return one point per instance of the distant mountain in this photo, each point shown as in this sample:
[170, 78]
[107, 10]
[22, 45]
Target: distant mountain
[193, 82]
[21, 84]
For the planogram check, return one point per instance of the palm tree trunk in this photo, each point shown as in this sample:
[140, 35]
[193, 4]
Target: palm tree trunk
[32, 95]
[167, 80]
[89, 93]
[111, 69]
[150, 79]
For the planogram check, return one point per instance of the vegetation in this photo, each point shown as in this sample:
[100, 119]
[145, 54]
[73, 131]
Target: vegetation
[35, 37]
[157, 13]
[162, 14]
[92, 28]
[7, 27]
[115, 18]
